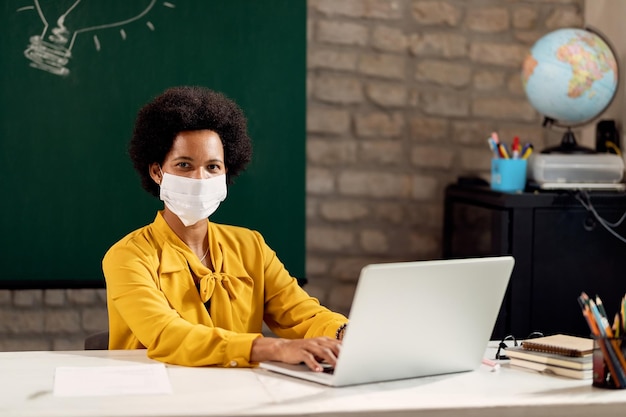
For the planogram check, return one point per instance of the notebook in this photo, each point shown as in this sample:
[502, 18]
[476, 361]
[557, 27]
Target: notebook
[554, 359]
[414, 319]
[552, 369]
[561, 344]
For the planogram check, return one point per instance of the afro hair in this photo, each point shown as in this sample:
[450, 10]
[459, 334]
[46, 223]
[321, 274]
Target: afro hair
[186, 108]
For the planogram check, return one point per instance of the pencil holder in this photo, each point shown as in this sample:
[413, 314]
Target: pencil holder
[508, 175]
[609, 362]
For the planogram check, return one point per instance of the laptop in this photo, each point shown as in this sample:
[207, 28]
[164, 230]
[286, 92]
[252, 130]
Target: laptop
[415, 319]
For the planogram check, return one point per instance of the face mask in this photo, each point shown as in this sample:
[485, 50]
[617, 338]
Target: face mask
[192, 199]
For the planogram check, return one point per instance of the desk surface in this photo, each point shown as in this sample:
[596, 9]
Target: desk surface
[26, 379]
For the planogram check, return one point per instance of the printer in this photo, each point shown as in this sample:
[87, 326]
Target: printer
[576, 170]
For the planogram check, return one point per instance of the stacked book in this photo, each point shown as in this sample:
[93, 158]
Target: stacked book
[559, 354]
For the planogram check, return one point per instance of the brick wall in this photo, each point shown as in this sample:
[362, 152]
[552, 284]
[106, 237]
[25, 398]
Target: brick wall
[401, 96]
[50, 319]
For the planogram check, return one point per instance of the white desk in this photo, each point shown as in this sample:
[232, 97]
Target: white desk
[26, 381]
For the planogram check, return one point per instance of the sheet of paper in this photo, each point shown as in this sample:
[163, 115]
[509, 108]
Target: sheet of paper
[72, 381]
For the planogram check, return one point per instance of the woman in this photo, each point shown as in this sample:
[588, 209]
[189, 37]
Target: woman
[193, 292]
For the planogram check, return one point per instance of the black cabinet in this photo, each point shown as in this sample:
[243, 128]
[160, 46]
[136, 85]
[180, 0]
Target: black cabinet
[560, 249]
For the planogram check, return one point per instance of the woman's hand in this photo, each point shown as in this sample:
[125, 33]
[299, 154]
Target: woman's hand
[310, 351]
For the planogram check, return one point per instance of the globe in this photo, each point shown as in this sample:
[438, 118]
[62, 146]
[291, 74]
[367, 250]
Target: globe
[570, 76]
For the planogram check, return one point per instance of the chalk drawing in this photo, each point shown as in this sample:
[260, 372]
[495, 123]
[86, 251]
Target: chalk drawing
[64, 20]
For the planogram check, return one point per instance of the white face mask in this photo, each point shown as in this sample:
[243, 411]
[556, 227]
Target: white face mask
[192, 199]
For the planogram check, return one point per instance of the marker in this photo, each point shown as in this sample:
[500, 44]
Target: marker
[502, 151]
[493, 146]
[527, 150]
[515, 148]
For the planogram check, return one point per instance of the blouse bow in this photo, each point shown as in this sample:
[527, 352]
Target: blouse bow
[219, 285]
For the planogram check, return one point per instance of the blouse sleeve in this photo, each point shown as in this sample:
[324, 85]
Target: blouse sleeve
[289, 311]
[140, 315]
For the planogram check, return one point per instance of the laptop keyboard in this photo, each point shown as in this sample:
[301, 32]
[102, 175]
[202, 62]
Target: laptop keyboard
[327, 368]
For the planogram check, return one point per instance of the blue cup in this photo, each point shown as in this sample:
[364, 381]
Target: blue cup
[508, 175]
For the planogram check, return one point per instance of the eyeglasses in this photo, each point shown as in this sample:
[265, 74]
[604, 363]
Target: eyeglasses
[510, 338]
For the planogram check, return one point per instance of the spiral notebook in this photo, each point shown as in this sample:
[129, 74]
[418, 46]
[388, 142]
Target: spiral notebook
[561, 344]
[573, 362]
[413, 319]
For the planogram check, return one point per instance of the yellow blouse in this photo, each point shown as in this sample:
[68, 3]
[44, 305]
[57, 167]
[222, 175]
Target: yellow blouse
[153, 301]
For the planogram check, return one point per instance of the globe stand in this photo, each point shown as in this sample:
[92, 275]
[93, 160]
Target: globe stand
[568, 143]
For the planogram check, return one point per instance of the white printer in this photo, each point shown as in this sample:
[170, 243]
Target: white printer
[567, 171]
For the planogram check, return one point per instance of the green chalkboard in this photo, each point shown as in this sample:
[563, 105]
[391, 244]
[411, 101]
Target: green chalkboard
[68, 189]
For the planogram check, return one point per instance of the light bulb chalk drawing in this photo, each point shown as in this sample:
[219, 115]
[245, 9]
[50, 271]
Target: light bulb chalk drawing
[51, 51]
